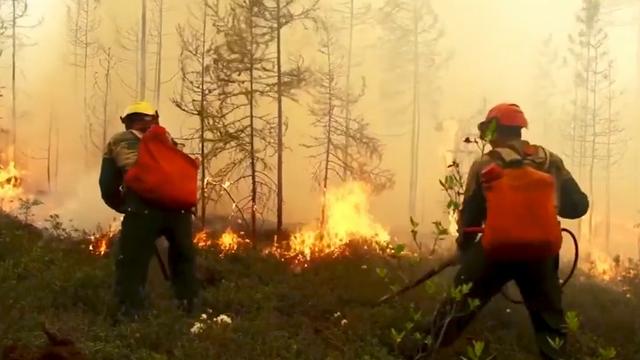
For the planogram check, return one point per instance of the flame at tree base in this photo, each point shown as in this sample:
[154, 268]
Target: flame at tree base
[228, 243]
[10, 184]
[348, 221]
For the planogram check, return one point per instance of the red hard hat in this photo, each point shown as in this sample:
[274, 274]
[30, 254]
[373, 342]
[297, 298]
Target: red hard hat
[507, 115]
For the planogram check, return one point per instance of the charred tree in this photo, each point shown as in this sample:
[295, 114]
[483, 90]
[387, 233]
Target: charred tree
[614, 145]
[142, 72]
[354, 16]
[17, 11]
[198, 56]
[546, 86]
[251, 39]
[159, 37]
[102, 98]
[49, 144]
[236, 74]
[587, 49]
[284, 13]
[83, 23]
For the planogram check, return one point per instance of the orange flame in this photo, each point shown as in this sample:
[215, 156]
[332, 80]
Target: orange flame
[10, 183]
[347, 220]
[601, 266]
[228, 242]
[202, 240]
[101, 240]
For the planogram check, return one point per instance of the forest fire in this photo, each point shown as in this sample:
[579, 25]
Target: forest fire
[228, 243]
[101, 240]
[347, 220]
[10, 183]
[601, 266]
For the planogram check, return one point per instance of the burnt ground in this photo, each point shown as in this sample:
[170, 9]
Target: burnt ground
[321, 312]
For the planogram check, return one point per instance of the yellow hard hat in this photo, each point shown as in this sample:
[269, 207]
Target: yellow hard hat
[140, 107]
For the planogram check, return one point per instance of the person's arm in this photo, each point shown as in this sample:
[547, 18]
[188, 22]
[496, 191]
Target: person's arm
[573, 202]
[110, 181]
[473, 210]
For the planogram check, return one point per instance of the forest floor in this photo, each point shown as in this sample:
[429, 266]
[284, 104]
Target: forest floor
[324, 311]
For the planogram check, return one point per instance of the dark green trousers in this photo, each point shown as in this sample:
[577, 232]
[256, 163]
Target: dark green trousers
[136, 247]
[539, 286]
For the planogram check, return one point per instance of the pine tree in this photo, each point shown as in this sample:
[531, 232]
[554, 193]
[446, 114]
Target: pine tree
[330, 100]
[83, 23]
[413, 32]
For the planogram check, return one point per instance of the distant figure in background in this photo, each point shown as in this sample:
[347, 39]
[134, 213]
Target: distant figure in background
[516, 191]
[144, 223]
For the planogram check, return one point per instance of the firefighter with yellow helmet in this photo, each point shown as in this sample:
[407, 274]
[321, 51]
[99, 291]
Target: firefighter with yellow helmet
[143, 223]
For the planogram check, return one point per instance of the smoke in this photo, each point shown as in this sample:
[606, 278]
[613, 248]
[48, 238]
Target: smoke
[79, 204]
[495, 47]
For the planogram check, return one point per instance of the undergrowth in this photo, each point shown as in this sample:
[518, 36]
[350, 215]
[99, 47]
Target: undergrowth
[254, 306]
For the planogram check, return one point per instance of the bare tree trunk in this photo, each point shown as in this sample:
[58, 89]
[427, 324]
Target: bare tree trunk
[280, 195]
[13, 81]
[203, 163]
[143, 53]
[325, 180]
[574, 126]
[594, 131]
[583, 122]
[75, 49]
[638, 55]
[159, 53]
[105, 109]
[254, 190]
[85, 65]
[413, 183]
[347, 106]
[49, 151]
[55, 174]
[607, 236]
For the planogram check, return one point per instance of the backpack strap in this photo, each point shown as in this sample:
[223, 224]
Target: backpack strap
[512, 157]
[137, 133]
[507, 155]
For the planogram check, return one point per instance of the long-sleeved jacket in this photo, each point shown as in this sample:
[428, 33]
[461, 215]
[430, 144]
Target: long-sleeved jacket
[120, 154]
[572, 202]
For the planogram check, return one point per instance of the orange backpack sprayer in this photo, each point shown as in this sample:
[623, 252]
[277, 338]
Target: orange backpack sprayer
[521, 222]
[163, 175]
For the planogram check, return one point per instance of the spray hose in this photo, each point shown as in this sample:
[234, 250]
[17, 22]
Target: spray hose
[453, 260]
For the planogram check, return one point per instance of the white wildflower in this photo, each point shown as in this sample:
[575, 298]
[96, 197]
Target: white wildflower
[222, 319]
[363, 267]
[337, 315]
[343, 322]
[197, 328]
[203, 317]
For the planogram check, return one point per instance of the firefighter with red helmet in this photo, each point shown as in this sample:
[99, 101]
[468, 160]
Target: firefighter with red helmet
[536, 277]
[144, 222]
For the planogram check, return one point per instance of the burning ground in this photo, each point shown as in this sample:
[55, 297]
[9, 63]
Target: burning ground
[257, 305]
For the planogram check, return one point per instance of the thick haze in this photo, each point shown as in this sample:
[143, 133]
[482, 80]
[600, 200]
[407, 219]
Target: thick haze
[495, 47]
